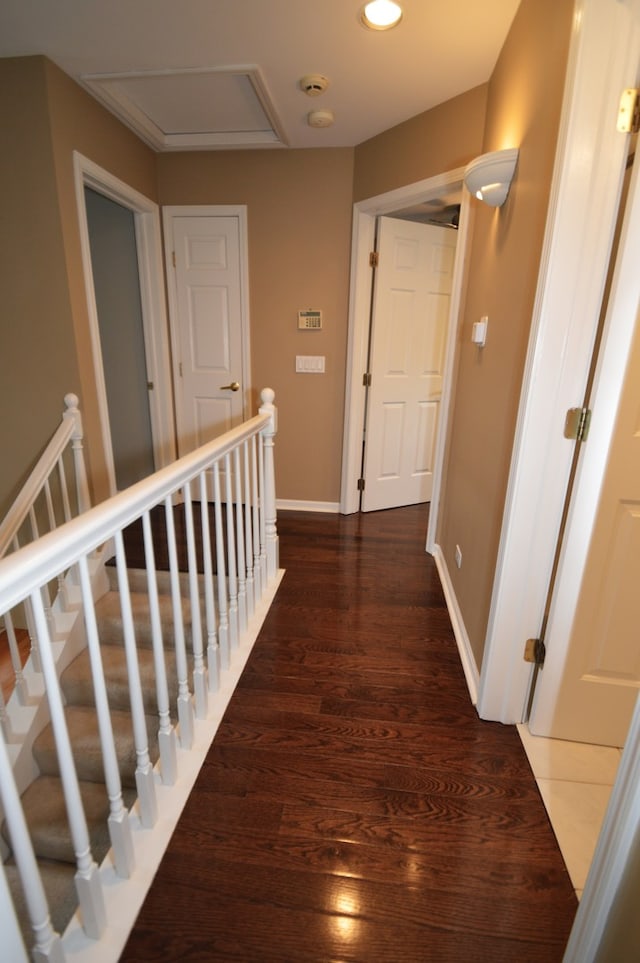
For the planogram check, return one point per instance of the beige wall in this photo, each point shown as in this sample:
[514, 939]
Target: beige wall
[299, 227]
[441, 139]
[79, 123]
[45, 339]
[523, 110]
[37, 353]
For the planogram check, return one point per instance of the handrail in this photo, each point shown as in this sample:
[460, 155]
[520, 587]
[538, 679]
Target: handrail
[69, 429]
[217, 631]
[37, 563]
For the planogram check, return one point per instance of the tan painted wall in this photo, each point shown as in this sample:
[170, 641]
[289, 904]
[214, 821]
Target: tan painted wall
[439, 140]
[79, 123]
[37, 354]
[45, 340]
[299, 227]
[523, 110]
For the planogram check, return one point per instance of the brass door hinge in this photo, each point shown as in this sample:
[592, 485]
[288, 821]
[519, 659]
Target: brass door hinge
[361, 484]
[534, 651]
[374, 259]
[366, 379]
[629, 111]
[576, 423]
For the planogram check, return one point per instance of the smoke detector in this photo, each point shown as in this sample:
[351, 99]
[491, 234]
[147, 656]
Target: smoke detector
[314, 84]
[320, 118]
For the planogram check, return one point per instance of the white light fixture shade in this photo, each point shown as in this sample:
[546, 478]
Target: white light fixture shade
[381, 14]
[489, 177]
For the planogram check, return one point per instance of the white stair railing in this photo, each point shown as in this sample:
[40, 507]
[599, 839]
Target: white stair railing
[46, 499]
[238, 571]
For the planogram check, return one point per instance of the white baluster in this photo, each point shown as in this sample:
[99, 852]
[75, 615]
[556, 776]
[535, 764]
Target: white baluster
[185, 705]
[5, 721]
[53, 524]
[264, 581]
[223, 608]
[82, 486]
[257, 571]
[47, 942]
[231, 557]
[251, 598]
[213, 650]
[87, 878]
[64, 490]
[44, 590]
[242, 572]
[118, 821]
[166, 733]
[269, 492]
[16, 661]
[148, 806]
[199, 673]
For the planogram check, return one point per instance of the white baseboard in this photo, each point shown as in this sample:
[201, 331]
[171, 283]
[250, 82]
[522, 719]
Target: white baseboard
[294, 505]
[469, 667]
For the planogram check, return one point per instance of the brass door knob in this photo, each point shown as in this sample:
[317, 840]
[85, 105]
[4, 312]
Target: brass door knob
[234, 386]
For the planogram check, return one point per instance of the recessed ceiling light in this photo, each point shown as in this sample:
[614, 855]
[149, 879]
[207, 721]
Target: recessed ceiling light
[381, 14]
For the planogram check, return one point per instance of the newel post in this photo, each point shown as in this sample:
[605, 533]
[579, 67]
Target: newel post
[82, 487]
[268, 433]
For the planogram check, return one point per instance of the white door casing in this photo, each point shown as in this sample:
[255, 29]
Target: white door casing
[364, 219]
[588, 687]
[154, 319]
[587, 180]
[408, 341]
[208, 308]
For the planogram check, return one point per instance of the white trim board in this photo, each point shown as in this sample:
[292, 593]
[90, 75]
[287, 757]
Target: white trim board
[154, 317]
[295, 505]
[469, 667]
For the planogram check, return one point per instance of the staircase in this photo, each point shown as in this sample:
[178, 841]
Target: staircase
[43, 801]
[135, 693]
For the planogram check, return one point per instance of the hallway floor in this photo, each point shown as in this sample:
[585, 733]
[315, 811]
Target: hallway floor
[352, 806]
[575, 780]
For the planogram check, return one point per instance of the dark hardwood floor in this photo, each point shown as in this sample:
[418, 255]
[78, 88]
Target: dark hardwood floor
[352, 806]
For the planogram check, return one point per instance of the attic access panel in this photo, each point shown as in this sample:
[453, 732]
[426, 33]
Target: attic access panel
[186, 109]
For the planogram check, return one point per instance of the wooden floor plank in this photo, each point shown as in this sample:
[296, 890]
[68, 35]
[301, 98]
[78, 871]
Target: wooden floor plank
[353, 807]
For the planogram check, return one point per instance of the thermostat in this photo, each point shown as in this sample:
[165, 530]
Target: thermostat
[310, 320]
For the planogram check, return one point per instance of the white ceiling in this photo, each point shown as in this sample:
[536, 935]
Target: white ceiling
[167, 63]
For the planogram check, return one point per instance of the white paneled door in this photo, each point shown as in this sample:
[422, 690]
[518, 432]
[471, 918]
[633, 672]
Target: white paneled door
[410, 319]
[207, 315]
[600, 679]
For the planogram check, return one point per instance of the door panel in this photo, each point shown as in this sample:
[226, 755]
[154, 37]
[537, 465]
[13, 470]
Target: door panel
[601, 677]
[409, 329]
[208, 325]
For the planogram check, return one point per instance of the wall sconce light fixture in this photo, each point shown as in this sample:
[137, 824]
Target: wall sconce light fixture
[489, 177]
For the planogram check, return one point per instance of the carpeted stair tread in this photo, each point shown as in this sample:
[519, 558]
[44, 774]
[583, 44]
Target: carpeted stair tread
[78, 687]
[109, 617]
[83, 731]
[46, 816]
[59, 886]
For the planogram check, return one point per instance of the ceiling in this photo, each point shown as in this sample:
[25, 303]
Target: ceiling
[226, 73]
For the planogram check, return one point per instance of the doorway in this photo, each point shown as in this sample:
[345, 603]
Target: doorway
[365, 214]
[146, 228]
[116, 282]
[207, 281]
[408, 336]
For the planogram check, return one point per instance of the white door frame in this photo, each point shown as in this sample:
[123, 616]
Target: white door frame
[154, 317]
[364, 221]
[212, 210]
[588, 175]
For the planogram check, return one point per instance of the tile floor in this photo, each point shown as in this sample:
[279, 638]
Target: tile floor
[575, 782]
